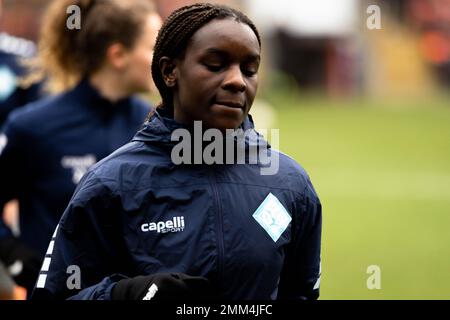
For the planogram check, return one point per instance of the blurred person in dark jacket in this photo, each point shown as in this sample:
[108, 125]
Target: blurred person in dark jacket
[46, 147]
[14, 93]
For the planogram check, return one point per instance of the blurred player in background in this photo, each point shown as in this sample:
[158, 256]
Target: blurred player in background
[14, 93]
[46, 147]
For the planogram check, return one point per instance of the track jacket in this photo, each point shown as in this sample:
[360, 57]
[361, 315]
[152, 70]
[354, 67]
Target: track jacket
[137, 213]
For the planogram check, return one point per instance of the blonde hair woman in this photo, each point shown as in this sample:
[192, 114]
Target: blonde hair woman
[47, 146]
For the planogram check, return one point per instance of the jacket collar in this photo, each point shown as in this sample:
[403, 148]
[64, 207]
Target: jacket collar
[159, 127]
[87, 95]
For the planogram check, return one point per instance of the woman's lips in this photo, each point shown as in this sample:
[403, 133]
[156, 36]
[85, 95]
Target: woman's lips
[231, 104]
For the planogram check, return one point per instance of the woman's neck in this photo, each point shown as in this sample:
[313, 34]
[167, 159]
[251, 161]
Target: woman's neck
[109, 85]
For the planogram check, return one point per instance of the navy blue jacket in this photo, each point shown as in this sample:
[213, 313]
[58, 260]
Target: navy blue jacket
[47, 146]
[137, 213]
[12, 96]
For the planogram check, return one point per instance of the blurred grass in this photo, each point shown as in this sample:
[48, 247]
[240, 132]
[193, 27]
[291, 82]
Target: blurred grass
[382, 171]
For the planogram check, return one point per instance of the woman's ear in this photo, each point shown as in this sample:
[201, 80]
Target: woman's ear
[168, 71]
[117, 55]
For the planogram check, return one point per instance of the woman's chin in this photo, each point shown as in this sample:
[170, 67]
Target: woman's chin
[224, 124]
[226, 118]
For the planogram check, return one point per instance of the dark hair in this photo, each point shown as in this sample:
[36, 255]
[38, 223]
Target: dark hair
[179, 27]
[67, 55]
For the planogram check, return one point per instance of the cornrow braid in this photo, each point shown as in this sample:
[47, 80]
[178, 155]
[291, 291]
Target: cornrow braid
[176, 31]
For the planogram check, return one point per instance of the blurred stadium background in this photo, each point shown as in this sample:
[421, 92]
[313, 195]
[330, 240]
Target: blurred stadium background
[367, 113]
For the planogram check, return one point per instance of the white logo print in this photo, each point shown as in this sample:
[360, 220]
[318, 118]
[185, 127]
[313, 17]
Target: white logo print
[174, 225]
[151, 292]
[16, 268]
[272, 216]
[79, 165]
[3, 142]
[7, 83]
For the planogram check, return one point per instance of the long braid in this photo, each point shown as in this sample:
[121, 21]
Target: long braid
[176, 31]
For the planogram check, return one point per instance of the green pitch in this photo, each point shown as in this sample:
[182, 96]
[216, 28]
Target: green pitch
[382, 171]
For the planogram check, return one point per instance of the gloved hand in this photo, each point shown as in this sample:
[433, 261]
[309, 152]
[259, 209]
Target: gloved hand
[22, 262]
[163, 286]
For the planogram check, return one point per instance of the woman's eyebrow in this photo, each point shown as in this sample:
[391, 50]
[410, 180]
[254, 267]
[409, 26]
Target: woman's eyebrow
[216, 51]
[225, 54]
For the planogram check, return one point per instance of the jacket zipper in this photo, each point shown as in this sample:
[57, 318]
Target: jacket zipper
[219, 226]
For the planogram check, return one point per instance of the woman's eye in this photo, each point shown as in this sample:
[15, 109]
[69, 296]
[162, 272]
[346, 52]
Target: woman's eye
[213, 67]
[249, 72]
[249, 69]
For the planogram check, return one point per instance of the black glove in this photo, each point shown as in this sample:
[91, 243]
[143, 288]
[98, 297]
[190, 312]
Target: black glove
[23, 263]
[163, 286]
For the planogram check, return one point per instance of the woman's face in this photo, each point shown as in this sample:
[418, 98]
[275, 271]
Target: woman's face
[216, 79]
[136, 74]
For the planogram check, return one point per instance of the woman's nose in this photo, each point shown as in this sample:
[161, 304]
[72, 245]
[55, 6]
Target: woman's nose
[234, 80]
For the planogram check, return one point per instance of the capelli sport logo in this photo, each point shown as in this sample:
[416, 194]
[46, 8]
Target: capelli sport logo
[174, 225]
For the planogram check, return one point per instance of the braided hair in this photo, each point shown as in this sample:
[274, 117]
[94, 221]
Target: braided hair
[176, 31]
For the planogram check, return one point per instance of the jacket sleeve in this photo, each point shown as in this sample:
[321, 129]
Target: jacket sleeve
[85, 256]
[300, 277]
